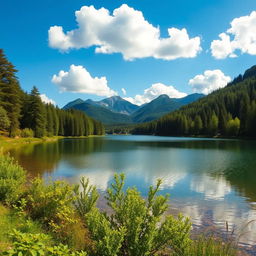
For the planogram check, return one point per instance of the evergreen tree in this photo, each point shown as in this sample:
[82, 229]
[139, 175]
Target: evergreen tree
[4, 120]
[37, 113]
[10, 93]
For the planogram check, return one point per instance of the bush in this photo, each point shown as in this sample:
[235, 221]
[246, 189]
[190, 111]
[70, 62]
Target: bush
[26, 133]
[137, 226]
[37, 245]
[12, 179]
[52, 205]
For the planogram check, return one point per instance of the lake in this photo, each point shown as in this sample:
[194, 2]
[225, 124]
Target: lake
[211, 180]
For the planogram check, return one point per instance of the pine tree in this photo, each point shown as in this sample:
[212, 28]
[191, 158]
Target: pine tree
[37, 113]
[10, 93]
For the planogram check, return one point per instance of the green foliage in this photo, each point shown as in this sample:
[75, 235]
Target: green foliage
[26, 244]
[213, 125]
[26, 133]
[10, 93]
[12, 179]
[211, 246]
[4, 120]
[52, 204]
[233, 126]
[87, 198]
[137, 227]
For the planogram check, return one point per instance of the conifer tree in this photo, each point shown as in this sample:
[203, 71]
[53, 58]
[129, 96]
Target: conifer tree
[37, 113]
[10, 93]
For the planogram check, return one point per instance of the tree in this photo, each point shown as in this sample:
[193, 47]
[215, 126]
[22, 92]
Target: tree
[37, 113]
[10, 93]
[4, 120]
[198, 125]
[233, 126]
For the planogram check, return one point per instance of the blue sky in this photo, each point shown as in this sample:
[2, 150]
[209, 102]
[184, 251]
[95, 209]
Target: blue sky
[24, 38]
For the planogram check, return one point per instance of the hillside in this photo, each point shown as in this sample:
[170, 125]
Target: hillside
[230, 111]
[161, 106]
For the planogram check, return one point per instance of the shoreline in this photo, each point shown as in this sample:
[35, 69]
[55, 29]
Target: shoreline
[7, 143]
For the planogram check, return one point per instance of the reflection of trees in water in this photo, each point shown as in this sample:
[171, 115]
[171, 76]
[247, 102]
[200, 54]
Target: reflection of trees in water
[44, 157]
[232, 159]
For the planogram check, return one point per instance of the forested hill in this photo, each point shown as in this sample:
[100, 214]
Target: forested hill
[230, 111]
[24, 114]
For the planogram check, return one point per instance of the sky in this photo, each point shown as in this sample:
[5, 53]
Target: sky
[135, 49]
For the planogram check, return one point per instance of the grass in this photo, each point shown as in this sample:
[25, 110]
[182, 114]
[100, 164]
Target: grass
[7, 143]
[10, 220]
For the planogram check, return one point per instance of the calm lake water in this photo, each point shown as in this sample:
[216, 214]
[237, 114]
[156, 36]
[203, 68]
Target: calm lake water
[211, 180]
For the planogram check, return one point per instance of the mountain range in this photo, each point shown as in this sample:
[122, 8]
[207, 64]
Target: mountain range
[118, 111]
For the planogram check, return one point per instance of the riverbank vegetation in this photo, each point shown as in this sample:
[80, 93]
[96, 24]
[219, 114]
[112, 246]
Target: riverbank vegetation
[56, 218]
[24, 114]
[229, 112]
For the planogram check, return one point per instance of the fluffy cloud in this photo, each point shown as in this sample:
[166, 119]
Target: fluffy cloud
[209, 81]
[243, 32]
[78, 79]
[154, 91]
[123, 91]
[126, 32]
[46, 100]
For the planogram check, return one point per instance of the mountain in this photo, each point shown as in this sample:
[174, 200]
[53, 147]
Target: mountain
[115, 104]
[161, 106]
[100, 113]
[73, 103]
[229, 111]
[117, 111]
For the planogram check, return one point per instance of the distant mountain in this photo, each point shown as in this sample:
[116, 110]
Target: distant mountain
[117, 111]
[73, 103]
[161, 106]
[100, 113]
[115, 104]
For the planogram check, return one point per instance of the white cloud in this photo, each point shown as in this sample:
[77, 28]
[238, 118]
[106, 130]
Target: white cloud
[123, 91]
[209, 81]
[47, 100]
[243, 32]
[79, 80]
[154, 91]
[126, 32]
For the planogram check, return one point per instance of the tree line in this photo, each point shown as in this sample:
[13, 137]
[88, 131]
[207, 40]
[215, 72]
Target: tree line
[230, 111]
[24, 114]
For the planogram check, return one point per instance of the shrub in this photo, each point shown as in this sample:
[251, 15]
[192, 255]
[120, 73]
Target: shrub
[12, 179]
[26, 133]
[37, 245]
[52, 205]
[137, 226]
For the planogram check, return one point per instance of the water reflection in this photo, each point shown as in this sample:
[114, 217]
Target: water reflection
[212, 181]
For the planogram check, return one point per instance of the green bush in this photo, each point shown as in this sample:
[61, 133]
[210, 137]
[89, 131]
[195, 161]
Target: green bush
[26, 133]
[137, 226]
[37, 245]
[52, 204]
[12, 179]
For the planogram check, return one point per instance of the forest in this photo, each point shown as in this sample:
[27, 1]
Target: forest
[229, 112]
[24, 114]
